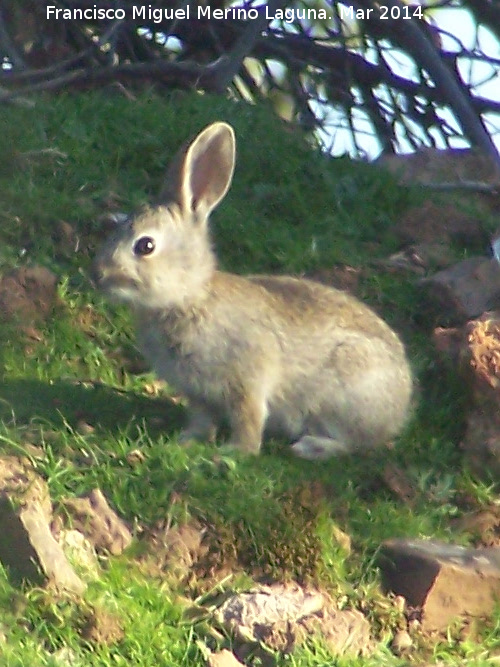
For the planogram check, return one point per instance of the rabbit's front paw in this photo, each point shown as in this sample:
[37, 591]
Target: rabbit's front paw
[247, 424]
[188, 436]
[246, 447]
[200, 427]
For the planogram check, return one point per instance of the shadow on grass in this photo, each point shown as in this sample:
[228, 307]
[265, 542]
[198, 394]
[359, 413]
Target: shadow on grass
[63, 402]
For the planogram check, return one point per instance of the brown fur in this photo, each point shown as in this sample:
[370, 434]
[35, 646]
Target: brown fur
[264, 352]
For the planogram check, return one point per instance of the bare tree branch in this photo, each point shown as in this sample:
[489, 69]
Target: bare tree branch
[320, 64]
[425, 54]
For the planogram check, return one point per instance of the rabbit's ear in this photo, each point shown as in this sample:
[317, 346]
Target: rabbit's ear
[201, 174]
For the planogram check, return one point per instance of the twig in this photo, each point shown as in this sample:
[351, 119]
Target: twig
[184, 75]
[229, 65]
[413, 39]
[45, 72]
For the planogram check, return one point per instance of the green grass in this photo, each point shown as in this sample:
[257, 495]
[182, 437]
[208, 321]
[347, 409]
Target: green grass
[75, 158]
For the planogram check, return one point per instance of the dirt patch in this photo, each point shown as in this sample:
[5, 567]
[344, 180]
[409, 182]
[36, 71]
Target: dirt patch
[481, 442]
[441, 223]
[466, 172]
[172, 550]
[89, 319]
[484, 525]
[202, 553]
[93, 517]
[102, 628]
[399, 483]
[285, 547]
[27, 295]
[432, 165]
[220, 557]
[65, 237]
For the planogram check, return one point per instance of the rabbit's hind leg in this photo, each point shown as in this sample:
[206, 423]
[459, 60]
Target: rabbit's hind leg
[323, 437]
[317, 448]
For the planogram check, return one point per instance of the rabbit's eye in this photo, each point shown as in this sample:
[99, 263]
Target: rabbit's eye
[144, 246]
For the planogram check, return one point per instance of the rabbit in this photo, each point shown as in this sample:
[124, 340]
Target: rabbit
[264, 354]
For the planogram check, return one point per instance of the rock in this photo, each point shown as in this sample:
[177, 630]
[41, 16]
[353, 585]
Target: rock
[135, 457]
[414, 626]
[462, 291]
[401, 642]
[65, 657]
[79, 552]
[282, 616]
[223, 659]
[480, 365]
[27, 546]
[399, 603]
[49, 555]
[267, 605]
[27, 294]
[481, 442]
[475, 349]
[445, 581]
[481, 357]
[93, 517]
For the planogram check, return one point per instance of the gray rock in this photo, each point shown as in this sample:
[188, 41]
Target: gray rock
[283, 616]
[27, 546]
[223, 658]
[462, 291]
[401, 642]
[80, 553]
